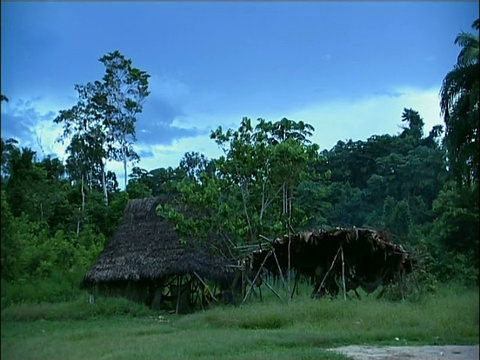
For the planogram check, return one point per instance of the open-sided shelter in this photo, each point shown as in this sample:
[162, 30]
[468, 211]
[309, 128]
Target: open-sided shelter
[353, 257]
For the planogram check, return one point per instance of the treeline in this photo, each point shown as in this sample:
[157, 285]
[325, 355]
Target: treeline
[421, 188]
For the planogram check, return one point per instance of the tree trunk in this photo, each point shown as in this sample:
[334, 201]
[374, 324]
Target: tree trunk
[104, 184]
[125, 168]
[81, 215]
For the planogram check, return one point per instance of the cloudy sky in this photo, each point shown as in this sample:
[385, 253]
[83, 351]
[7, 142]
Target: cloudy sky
[347, 68]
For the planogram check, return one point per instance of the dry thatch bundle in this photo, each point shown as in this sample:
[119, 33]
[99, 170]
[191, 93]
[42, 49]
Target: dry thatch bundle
[354, 257]
[146, 247]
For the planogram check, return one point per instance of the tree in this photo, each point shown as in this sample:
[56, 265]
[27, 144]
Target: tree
[156, 182]
[124, 90]
[194, 163]
[457, 206]
[456, 224]
[84, 125]
[101, 125]
[470, 47]
[460, 109]
[266, 164]
[415, 124]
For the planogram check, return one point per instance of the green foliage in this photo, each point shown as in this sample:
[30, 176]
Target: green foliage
[156, 182]
[73, 306]
[56, 288]
[123, 92]
[10, 248]
[460, 104]
[456, 224]
[101, 126]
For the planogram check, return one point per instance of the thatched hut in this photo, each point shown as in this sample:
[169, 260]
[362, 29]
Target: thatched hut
[145, 261]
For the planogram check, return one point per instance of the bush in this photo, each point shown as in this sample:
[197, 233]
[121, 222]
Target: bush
[77, 309]
[57, 288]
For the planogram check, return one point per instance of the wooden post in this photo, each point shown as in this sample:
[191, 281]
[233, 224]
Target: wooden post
[244, 283]
[400, 285]
[328, 272]
[179, 282]
[256, 276]
[279, 269]
[204, 284]
[343, 276]
[273, 290]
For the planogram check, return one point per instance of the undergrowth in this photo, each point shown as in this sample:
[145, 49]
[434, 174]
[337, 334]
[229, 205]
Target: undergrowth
[78, 309]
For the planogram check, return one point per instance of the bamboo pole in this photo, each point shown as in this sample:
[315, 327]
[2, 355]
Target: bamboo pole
[273, 290]
[205, 285]
[179, 284]
[400, 285]
[289, 264]
[343, 276]
[280, 270]
[328, 272]
[255, 278]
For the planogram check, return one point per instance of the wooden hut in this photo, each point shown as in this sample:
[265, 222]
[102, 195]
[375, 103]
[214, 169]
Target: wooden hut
[145, 261]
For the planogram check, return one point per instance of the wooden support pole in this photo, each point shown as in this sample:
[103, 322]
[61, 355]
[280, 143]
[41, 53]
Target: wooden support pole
[279, 269]
[343, 276]
[328, 272]
[204, 284]
[273, 290]
[289, 263]
[179, 282]
[256, 276]
[400, 285]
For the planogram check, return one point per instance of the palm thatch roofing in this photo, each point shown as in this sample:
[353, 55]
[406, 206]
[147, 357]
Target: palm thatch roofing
[145, 246]
[368, 257]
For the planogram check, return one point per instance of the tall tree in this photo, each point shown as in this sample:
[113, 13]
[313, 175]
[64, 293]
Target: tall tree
[460, 108]
[266, 163]
[84, 125]
[125, 89]
[101, 126]
[415, 123]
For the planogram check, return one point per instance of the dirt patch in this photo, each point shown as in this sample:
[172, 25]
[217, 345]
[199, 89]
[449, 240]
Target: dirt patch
[447, 352]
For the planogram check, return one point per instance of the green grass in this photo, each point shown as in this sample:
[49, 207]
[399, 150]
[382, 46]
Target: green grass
[302, 329]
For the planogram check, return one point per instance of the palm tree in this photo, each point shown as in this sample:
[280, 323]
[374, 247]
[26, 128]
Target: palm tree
[459, 106]
[469, 43]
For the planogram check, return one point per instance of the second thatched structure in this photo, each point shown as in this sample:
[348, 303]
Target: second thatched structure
[342, 257]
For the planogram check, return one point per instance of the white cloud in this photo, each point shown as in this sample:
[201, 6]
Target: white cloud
[376, 114]
[336, 120]
[341, 119]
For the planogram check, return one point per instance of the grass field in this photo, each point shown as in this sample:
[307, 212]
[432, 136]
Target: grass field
[302, 329]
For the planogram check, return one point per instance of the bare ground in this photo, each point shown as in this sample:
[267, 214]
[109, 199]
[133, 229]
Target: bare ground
[446, 352]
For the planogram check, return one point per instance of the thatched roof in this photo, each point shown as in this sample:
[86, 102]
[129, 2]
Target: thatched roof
[145, 246]
[370, 257]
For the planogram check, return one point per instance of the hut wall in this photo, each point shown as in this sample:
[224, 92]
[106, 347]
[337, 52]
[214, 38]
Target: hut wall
[157, 298]
[137, 291]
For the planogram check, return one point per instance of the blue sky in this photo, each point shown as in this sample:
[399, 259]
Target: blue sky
[347, 68]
